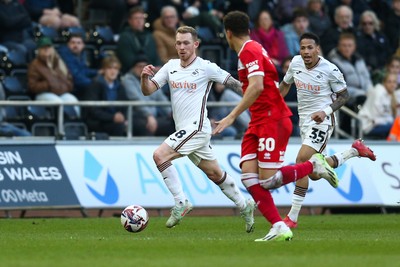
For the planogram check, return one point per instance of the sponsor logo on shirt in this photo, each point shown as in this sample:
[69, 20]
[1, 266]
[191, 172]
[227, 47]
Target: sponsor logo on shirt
[252, 66]
[183, 85]
[313, 88]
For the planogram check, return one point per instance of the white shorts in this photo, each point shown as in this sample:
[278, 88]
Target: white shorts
[192, 143]
[316, 136]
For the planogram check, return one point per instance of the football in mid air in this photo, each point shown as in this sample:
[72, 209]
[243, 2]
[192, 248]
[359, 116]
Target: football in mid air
[134, 218]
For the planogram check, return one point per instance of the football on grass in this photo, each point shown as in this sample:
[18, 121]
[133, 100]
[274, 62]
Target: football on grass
[134, 218]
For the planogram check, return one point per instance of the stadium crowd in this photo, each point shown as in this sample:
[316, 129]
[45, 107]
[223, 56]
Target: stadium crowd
[50, 53]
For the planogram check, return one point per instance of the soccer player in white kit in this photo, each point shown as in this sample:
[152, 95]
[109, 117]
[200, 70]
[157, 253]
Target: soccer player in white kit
[190, 79]
[321, 90]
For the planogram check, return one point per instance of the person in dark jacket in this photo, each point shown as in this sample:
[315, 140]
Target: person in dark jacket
[106, 87]
[372, 43]
[136, 40]
[16, 32]
[74, 56]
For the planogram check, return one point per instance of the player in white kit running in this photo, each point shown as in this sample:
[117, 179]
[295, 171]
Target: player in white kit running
[321, 90]
[190, 79]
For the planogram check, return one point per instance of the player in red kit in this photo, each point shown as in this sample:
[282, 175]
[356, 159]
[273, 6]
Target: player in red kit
[265, 141]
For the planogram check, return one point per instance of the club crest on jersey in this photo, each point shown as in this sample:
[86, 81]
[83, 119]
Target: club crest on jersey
[195, 72]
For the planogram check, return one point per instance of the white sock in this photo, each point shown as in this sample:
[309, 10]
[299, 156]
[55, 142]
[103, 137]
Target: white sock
[297, 202]
[230, 189]
[171, 179]
[343, 156]
[298, 197]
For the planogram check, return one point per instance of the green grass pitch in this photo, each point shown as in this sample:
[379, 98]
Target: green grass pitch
[320, 240]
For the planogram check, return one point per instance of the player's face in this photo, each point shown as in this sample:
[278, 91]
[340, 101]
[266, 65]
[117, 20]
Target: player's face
[186, 46]
[309, 52]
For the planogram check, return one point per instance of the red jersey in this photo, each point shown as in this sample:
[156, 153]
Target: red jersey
[270, 105]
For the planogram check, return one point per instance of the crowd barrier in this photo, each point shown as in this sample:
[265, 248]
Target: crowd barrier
[115, 174]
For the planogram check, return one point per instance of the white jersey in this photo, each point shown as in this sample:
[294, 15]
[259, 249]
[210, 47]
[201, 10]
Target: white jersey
[190, 87]
[316, 87]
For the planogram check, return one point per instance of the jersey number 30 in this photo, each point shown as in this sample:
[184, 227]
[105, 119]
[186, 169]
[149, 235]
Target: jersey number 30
[267, 144]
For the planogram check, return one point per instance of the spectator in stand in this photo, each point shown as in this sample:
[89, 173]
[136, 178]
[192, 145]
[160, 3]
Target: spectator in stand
[149, 120]
[8, 129]
[343, 23]
[318, 16]
[164, 29]
[379, 110]
[357, 6]
[353, 68]
[295, 29]
[219, 93]
[74, 56]
[16, 32]
[372, 44]
[392, 24]
[48, 76]
[355, 72]
[392, 66]
[47, 13]
[272, 39]
[286, 8]
[106, 87]
[136, 40]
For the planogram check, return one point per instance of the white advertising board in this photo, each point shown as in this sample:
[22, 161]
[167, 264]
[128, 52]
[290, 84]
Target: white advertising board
[119, 175]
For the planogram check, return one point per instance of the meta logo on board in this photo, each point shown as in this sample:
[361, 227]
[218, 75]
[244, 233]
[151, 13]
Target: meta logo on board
[93, 171]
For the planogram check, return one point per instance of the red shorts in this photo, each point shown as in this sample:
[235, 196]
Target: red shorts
[267, 143]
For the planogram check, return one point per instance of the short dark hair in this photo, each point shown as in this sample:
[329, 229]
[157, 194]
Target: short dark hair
[136, 9]
[75, 35]
[237, 22]
[310, 35]
[299, 13]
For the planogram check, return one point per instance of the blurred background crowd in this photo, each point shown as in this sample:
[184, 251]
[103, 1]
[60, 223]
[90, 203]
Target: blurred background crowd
[94, 50]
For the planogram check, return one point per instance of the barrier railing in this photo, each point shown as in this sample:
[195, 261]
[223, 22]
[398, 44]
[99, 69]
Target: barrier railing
[355, 121]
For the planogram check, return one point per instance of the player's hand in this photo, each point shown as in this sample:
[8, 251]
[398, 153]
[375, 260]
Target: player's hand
[223, 124]
[148, 71]
[318, 116]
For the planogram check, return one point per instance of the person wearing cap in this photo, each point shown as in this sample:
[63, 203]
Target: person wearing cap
[149, 120]
[48, 76]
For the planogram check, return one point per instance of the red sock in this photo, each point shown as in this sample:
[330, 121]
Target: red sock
[265, 203]
[291, 173]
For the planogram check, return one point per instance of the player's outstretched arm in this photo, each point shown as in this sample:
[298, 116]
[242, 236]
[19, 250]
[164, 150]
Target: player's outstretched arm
[234, 84]
[148, 87]
[341, 98]
[284, 88]
[256, 86]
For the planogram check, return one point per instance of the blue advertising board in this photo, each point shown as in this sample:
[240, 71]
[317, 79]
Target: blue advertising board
[33, 176]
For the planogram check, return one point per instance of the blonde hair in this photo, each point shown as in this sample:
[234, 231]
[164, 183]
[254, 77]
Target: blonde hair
[188, 29]
[109, 61]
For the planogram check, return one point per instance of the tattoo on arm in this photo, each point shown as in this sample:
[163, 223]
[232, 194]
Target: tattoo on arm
[234, 84]
[341, 99]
